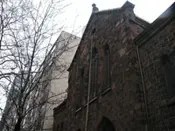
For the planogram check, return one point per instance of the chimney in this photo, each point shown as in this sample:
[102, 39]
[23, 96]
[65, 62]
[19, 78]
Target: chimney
[94, 8]
[128, 10]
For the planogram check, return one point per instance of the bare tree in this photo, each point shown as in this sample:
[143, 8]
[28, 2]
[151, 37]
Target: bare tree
[27, 31]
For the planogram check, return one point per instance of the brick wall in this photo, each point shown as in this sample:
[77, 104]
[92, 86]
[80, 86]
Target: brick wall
[122, 102]
[137, 98]
[160, 100]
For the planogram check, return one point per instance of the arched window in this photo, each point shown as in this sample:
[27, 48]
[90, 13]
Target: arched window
[168, 63]
[62, 126]
[105, 125]
[94, 72]
[58, 128]
[82, 72]
[107, 76]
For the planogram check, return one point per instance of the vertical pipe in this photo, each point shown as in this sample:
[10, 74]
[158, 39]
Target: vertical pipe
[144, 91]
[89, 86]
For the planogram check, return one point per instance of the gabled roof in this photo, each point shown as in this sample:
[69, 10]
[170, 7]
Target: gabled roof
[163, 20]
[102, 13]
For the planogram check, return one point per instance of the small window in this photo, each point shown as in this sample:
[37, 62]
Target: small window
[94, 52]
[62, 126]
[168, 63]
[58, 128]
[82, 72]
[93, 30]
[107, 76]
[94, 72]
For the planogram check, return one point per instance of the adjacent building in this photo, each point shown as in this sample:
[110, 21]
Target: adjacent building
[122, 75]
[55, 77]
[48, 88]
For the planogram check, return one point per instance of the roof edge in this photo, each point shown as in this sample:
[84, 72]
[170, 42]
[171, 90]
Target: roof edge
[127, 4]
[160, 23]
[84, 34]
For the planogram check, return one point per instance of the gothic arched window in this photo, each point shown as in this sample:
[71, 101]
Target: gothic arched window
[58, 127]
[62, 126]
[105, 125]
[94, 72]
[107, 76]
[168, 63]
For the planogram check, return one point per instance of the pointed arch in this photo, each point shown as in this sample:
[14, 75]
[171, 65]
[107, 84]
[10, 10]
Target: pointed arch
[168, 64]
[107, 65]
[106, 49]
[94, 52]
[94, 72]
[105, 125]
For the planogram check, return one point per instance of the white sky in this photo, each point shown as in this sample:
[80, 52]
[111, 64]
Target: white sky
[148, 10]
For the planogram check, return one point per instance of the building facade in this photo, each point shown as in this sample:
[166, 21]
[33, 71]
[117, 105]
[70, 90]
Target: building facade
[122, 75]
[55, 77]
[9, 115]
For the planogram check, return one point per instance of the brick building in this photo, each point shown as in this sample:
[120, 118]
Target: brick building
[121, 77]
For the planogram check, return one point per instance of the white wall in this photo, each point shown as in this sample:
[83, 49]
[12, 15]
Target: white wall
[59, 84]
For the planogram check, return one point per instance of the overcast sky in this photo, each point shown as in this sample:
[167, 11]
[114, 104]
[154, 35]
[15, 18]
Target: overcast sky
[76, 16]
[148, 10]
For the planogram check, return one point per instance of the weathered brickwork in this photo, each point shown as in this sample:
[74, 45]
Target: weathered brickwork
[136, 98]
[161, 106]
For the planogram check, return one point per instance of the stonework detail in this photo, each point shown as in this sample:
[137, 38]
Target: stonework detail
[137, 97]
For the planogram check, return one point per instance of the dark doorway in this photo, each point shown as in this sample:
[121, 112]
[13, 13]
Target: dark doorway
[105, 125]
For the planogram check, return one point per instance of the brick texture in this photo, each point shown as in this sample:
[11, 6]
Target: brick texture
[137, 98]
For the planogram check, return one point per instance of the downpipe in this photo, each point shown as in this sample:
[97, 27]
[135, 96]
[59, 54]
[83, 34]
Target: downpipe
[144, 90]
[89, 86]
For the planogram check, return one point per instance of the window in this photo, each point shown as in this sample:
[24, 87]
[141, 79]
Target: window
[82, 72]
[58, 128]
[62, 126]
[168, 63]
[105, 125]
[94, 72]
[107, 76]
[94, 30]
[80, 87]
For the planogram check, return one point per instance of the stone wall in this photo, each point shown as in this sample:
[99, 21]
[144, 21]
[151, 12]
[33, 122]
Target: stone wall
[121, 103]
[160, 99]
[139, 97]
[141, 92]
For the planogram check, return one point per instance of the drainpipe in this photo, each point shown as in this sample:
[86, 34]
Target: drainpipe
[89, 86]
[144, 91]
